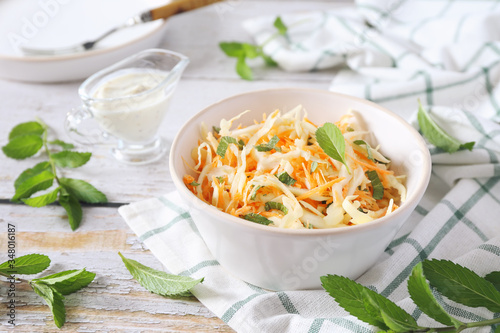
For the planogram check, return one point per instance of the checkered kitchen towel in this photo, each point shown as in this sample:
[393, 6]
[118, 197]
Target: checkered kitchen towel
[447, 53]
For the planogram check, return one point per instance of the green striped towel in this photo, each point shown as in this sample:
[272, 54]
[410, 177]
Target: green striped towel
[445, 53]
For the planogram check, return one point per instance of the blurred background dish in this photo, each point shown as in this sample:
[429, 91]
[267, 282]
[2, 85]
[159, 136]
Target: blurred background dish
[59, 23]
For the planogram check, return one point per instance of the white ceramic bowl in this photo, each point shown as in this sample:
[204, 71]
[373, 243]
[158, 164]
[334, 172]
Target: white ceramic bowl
[282, 259]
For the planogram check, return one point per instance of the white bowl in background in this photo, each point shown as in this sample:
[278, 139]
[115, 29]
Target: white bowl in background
[286, 259]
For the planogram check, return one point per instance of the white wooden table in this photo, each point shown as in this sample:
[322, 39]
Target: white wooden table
[114, 301]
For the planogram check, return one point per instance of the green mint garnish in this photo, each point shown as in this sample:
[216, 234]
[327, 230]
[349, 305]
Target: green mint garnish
[378, 188]
[331, 140]
[286, 179]
[368, 148]
[270, 145]
[253, 217]
[224, 144]
[275, 205]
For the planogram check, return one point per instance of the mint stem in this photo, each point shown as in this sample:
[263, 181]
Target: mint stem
[46, 147]
[465, 326]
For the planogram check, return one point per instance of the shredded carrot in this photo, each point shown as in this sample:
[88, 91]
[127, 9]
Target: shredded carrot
[319, 189]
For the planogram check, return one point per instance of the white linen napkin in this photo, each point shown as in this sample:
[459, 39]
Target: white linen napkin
[447, 53]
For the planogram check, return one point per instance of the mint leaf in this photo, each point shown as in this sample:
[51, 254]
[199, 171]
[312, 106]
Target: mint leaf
[28, 128]
[461, 285]
[82, 190]
[27, 264]
[68, 282]
[270, 145]
[314, 165]
[254, 192]
[253, 217]
[494, 278]
[286, 179]
[159, 282]
[468, 145]
[251, 51]
[21, 147]
[275, 205]
[349, 295]
[368, 148]
[278, 24]
[62, 144]
[378, 188]
[422, 296]
[331, 140]
[73, 209]
[393, 316]
[42, 200]
[232, 49]
[54, 300]
[224, 143]
[42, 181]
[28, 173]
[193, 183]
[436, 135]
[243, 70]
[70, 159]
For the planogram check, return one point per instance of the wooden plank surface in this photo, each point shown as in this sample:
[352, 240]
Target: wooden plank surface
[114, 301]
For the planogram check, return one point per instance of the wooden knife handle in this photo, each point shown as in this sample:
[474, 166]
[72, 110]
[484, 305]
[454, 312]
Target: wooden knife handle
[177, 7]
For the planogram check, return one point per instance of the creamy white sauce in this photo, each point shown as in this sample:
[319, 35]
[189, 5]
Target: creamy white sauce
[129, 104]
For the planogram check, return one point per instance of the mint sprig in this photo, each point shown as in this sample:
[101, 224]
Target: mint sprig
[244, 51]
[331, 140]
[456, 282]
[51, 287]
[26, 140]
[159, 282]
[436, 135]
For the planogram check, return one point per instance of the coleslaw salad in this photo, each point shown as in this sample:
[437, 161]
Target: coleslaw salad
[275, 172]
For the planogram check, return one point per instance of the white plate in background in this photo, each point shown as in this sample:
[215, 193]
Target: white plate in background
[63, 23]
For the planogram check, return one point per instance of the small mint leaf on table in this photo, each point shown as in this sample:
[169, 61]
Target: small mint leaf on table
[349, 295]
[21, 147]
[68, 282]
[73, 208]
[70, 159]
[251, 51]
[62, 144]
[28, 173]
[232, 49]
[494, 279]
[436, 135]
[41, 181]
[331, 140]
[159, 282]
[31, 127]
[461, 285]
[82, 190]
[42, 200]
[243, 70]
[54, 300]
[27, 264]
[422, 296]
[280, 26]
